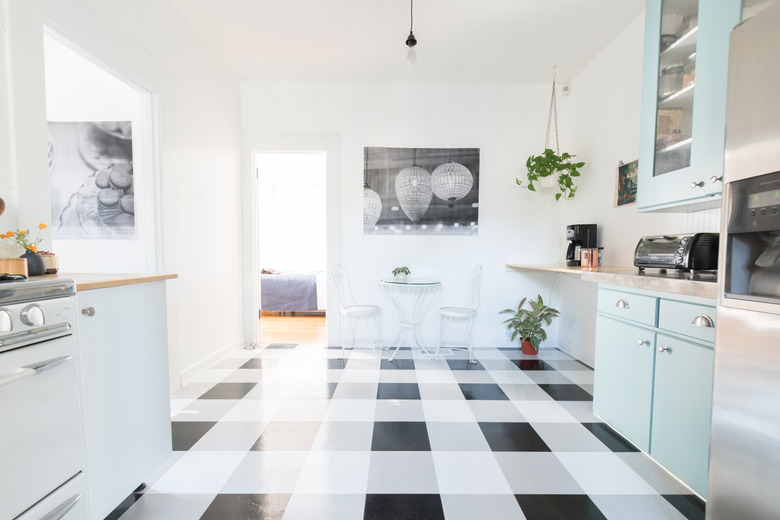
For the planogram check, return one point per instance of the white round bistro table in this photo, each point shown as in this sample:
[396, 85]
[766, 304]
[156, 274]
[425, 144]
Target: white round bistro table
[409, 318]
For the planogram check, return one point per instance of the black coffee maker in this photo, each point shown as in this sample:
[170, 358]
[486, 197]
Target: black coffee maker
[579, 236]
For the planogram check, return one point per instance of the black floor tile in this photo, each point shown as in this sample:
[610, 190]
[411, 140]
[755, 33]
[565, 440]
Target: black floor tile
[397, 364]
[246, 507]
[570, 364]
[532, 364]
[689, 505]
[275, 346]
[566, 392]
[398, 391]
[464, 364]
[403, 507]
[287, 436]
[262, 363]
[482, 392]
[516, 436]
[228, 391]
[185, 434]
[612, 439]
[400, 436]
[337, 363]
[559, 507]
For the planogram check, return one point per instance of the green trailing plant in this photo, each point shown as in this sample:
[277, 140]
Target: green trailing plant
[549, 164]
[528, 324]
[399, 270]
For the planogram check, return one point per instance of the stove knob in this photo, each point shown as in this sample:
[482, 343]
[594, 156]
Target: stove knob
[33, 315]
[6, 324]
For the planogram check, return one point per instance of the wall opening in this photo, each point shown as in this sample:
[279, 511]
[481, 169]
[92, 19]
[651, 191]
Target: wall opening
[101, 169]
[292, 238]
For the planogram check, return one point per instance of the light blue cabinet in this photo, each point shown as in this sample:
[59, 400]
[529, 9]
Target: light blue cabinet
[684, 103]
[623, 381]
[653, 378]
[682, 406]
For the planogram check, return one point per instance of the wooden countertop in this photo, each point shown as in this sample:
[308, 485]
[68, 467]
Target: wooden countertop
[703, 284]
[88, 281]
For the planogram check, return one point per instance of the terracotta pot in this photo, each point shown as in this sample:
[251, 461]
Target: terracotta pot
[529, 349]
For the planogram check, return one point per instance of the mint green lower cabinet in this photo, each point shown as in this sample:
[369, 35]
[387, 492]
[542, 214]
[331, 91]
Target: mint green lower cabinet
[682, 406]
[623, 382]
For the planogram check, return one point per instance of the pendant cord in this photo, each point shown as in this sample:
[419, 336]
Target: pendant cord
[411, 16]
[553, 114]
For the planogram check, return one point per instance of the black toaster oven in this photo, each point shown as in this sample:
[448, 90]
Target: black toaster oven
[694, 251]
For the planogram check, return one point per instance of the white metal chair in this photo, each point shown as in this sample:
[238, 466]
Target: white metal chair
[463, 315]
[352, 313]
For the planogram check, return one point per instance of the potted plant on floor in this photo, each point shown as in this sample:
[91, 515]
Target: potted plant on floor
[528, 324]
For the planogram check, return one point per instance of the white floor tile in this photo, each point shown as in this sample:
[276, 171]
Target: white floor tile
[199, 472]
[253, 410]
[230, 436]
[399, 410]
[543, 411]
[206, 410]
[653, 507]
[334, 472]
[402, 472]
[267, 472]
[325, 507]
[469, 473]
[302, 410]
[471, 507]
[536, 473]
[604, 474]
[170, 507]
[435, 376]
[351, 410]
[447, 411]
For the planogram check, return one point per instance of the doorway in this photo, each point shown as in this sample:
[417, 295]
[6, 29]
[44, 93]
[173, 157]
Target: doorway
[292, 238]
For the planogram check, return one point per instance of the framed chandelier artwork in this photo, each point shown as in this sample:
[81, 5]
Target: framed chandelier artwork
[420, 191]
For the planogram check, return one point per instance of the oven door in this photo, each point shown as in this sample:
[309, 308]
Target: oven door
[40, 437]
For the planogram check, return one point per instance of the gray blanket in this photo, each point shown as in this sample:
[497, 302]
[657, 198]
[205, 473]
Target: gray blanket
[288, 292]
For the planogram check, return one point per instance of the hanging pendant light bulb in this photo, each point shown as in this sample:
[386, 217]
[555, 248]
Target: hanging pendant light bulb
[451, 181]
[413, 188]
[411, 41]
[372, 204]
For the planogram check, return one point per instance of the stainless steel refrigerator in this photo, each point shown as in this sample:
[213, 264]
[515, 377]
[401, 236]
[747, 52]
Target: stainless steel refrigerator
[744, 473]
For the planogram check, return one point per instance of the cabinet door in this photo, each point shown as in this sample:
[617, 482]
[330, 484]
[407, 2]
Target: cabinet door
[684, 102]
[126, 393]
[682, 408]
[623, 378]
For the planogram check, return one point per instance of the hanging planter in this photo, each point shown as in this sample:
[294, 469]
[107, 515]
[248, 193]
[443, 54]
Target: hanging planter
[552, 165]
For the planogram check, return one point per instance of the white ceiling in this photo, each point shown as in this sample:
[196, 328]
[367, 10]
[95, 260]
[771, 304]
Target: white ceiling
[459, 41]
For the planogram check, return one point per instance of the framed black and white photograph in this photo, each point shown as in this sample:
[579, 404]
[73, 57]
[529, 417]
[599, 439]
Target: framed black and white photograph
[421, 191]
[91, 179]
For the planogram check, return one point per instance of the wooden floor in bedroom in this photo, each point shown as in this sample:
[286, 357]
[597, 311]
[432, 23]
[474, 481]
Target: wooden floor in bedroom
[301, 328]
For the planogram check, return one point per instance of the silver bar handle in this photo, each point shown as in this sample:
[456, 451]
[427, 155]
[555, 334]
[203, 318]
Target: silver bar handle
[61, 510]
[702, 320]
[621, 303]
[33, 370]
[34, 335]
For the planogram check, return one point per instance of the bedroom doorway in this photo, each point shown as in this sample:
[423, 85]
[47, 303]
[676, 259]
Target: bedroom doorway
[292, 238]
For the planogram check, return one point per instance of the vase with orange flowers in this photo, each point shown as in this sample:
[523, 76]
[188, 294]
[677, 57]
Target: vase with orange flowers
[22, 238]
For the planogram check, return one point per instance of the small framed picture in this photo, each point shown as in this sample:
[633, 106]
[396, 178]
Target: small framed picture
[625, 189]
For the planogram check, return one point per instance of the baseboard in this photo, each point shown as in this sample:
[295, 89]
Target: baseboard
[188, 373]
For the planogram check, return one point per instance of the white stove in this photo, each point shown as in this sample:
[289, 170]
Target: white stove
[40, 415]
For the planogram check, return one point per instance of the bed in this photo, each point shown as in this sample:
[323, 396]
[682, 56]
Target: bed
[292, 291]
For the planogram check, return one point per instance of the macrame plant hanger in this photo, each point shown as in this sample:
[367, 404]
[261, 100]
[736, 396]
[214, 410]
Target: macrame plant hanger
[553, 117]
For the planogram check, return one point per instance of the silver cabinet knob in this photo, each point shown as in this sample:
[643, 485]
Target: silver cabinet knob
[697, 184]
[33, 315]
[702, 320]
[642, 342]
[88, 311]
[663, 349]
[715, 179]
[621, 303]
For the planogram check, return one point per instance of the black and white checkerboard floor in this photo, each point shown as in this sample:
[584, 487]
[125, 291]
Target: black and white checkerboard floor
[293, 432]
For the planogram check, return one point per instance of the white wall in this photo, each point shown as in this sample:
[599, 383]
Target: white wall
[196, 101]
[506, 122]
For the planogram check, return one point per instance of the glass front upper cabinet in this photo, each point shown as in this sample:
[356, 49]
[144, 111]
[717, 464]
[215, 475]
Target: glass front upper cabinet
[676, 84]
[684, 103]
